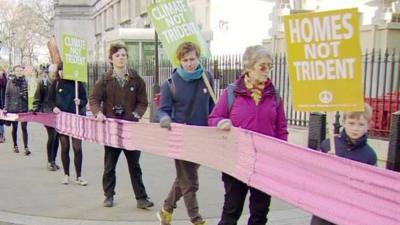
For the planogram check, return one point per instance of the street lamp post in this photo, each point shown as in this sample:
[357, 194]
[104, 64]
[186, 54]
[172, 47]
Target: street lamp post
[1, 46]
[12, 49]
[156, 86]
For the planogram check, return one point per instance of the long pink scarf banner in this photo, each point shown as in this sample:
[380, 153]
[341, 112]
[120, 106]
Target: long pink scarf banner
[343, 191]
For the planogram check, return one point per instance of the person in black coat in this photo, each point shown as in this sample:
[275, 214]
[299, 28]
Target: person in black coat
[16, 101]
[62, 97]
[41, 103]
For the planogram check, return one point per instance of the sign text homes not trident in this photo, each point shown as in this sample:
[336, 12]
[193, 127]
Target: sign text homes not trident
[324, 59]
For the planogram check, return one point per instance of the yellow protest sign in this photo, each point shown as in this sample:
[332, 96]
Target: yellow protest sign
[324, 60]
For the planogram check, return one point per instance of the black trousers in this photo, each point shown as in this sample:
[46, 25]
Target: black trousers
[77, 148]
[24, 133]
[52, 144]
[111, 156]
[235, 195]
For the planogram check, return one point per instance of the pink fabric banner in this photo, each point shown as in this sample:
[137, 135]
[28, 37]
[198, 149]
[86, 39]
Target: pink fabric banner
[343, 191]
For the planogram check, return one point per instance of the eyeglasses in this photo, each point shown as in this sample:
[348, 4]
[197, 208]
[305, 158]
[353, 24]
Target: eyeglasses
[264, 66]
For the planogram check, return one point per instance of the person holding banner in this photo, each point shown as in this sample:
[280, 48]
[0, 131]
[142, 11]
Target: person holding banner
[41, 103]
[185, 99]
[62, 97]
[121, 94]
[252, 103]
[351, 144]
[16, 101]
[3, 84]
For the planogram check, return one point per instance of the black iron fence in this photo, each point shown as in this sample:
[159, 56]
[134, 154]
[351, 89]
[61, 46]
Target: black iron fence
[381, 82]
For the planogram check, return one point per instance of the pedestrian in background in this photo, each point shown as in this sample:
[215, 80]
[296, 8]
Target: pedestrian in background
[185, 99]
[62, 97]
[255, 106]
[16, 101]
[41, 103]
[3, 84]
[120, 93]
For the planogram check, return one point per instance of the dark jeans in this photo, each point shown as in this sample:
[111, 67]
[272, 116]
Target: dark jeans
[77, 147]
[235, 195]
[111, 156]
[24, 133]
[186, 184]
[315, 220]
[2, 135]
[52, 144]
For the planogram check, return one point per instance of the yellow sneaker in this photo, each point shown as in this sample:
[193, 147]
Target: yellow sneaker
[201, 222]
[164, 217]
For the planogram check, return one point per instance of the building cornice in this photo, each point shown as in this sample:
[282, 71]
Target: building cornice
[73, 11]
[101, 6]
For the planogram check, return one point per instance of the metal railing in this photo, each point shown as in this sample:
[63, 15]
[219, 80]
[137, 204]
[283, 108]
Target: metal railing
[381, 83]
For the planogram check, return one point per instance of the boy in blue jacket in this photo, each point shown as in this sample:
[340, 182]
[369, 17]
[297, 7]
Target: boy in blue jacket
[352, 144]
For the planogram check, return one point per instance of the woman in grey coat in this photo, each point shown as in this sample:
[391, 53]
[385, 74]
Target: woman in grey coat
[16, 101]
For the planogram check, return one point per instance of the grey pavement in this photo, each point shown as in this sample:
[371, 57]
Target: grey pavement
[31, 195]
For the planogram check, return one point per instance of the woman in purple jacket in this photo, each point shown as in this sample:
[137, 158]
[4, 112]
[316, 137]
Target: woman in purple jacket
[3, 84]
[256, 107]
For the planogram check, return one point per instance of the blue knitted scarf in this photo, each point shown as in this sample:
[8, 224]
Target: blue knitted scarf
[190, 76]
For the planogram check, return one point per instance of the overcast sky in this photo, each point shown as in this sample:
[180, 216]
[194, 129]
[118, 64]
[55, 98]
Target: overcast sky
[248, 24]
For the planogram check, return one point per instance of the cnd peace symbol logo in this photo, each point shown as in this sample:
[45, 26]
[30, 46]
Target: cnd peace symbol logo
[326, 97]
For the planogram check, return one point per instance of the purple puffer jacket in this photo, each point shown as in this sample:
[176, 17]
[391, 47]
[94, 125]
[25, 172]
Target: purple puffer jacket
[3, 84]
[267, 117]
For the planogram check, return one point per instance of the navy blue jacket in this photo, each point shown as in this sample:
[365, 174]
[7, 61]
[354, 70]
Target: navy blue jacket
[176, 104]
[359, 151]
[41, 102]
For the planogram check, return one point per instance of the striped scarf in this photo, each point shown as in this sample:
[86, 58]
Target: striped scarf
[255, 89]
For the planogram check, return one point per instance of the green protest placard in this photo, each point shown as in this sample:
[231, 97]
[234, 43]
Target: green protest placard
[32, 85]
[74, 58]
[175, 24]
[31, 80]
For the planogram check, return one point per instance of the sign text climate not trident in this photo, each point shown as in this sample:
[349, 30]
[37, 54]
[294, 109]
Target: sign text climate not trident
[324, 60]
[74, 54]
[322, 36]
[75, 58]
[174, 15]
[174, 23]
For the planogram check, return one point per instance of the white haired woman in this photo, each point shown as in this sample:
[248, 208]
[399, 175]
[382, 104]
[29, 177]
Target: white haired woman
[256, 106]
